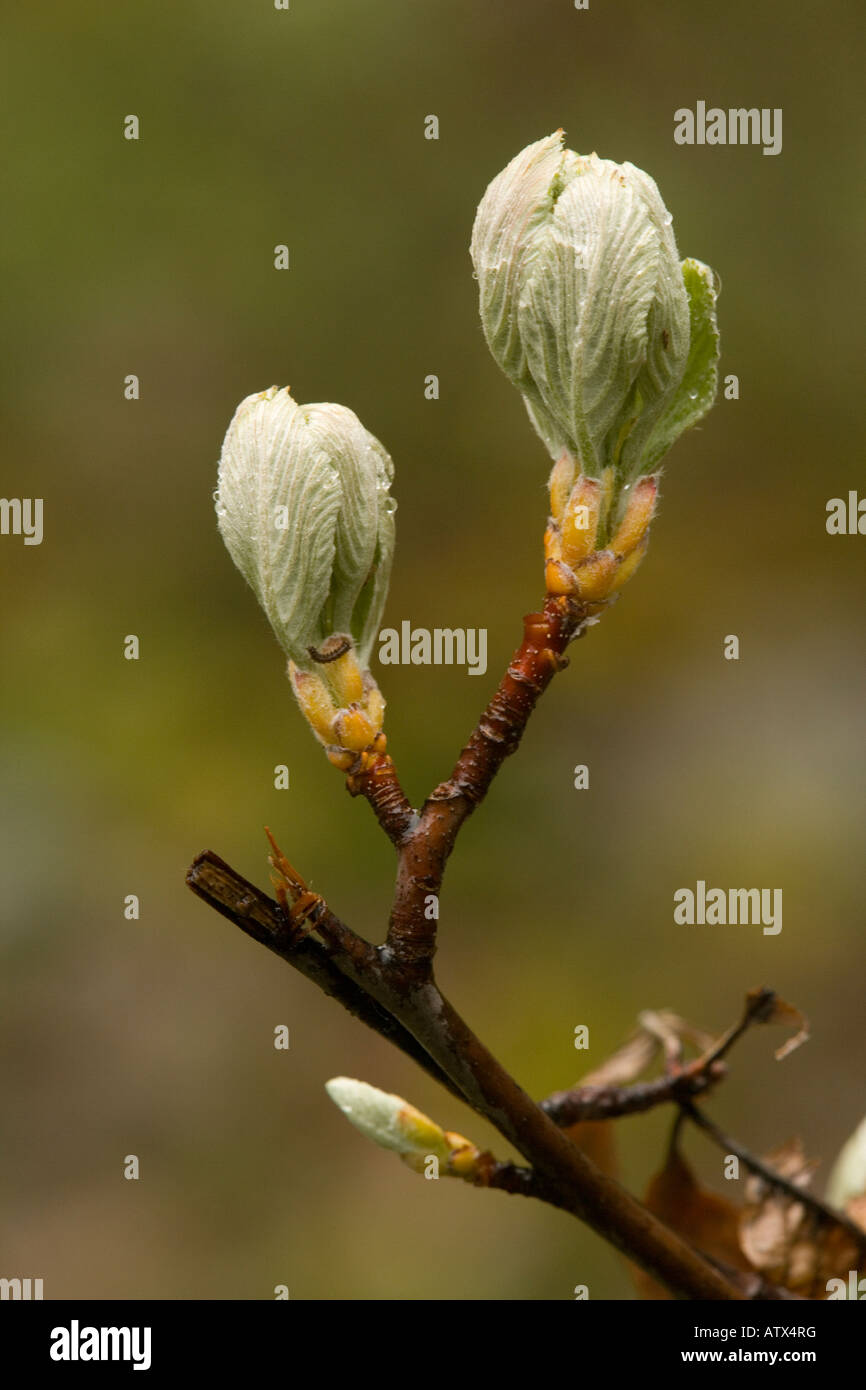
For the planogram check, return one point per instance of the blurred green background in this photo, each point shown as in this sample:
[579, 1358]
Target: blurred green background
[154, 1037]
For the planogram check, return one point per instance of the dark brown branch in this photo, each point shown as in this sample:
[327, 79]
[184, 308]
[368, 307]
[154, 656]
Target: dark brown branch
[212, 880]
[564, 1175]
[611, 1102]
[506, 1177]
[823, 1213]
[512, 1178]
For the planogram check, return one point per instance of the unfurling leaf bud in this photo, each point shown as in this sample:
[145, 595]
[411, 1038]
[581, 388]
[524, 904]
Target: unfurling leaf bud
[610, 338]
[303, 506]
[847, 1180]
[394, 1124]
[304, 509]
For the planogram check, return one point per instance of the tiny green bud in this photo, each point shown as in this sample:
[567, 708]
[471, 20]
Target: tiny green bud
[304, 509]
[586, 306]
[386, 1119]
[394, 1124]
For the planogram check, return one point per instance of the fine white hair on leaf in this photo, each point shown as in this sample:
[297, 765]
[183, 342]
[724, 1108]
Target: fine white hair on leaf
[587, 308]
[387, 1119]
[304, 509]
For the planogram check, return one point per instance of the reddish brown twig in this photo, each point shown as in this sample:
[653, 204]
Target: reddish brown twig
[425, 841]
[374, 776]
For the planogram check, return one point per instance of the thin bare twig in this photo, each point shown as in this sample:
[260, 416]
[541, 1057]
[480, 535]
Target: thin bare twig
[374, 776]
[681, 1082]
[578, 1103]
[425, 841]
[825, 1214]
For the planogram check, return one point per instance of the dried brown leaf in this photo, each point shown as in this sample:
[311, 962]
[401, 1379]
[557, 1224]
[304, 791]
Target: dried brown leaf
[626, 1064]
[597, 1138]
[672, 1031]
[657, 1028]
[776, 1010]
[705, 1220]
[788, 1241]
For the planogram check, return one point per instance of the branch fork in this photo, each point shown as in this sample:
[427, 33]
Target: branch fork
[392, 988]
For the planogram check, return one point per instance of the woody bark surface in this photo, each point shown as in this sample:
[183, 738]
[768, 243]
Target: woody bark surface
[563, 1175]
[424, 842]
[391, 988]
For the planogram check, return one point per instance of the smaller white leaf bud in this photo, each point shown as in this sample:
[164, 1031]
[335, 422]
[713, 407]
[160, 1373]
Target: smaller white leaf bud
[304, 508]
[394, 1124]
